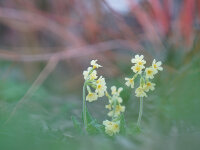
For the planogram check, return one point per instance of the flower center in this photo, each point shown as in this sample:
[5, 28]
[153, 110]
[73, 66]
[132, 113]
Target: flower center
[116, 126]
[148, 84]
[149, 71]
[137, 68]
[99, 86]
[90, 94]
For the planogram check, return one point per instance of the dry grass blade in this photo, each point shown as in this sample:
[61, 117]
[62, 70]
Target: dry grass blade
[40, 79]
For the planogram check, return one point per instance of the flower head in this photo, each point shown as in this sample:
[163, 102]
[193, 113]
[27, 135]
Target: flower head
[138, 60]
[111, 127]
[117, 111]
[140, 92]
[115, 91]
[109, 106]
[150, 73]
[101, 86]
[94, 64]
[86, 73]
[90, 74]
[149, 86]
[137, 68]
[93, 75]
[91, 97]
[130, 82]
[157, 65]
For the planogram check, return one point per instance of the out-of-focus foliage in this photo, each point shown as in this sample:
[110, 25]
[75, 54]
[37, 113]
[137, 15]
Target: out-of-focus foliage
[170, 118]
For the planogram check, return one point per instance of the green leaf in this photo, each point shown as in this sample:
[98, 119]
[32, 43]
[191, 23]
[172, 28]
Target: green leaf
[93, 127]
[122, 124]
[77, 124]
[134, 129]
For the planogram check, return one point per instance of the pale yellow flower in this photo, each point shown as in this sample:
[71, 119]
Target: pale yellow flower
[138, 60]
[86, 73]
[119, 99]
[150, 72]
[130, 82]
[101, 86]
[119, 109]
[111, 128]
[109, 106]
[89, 74]
[149, 86]
[91, 96]
[94, 64]
[115, 91]
[93, 75]
[137, 68]
[140, 92]
[157, 65]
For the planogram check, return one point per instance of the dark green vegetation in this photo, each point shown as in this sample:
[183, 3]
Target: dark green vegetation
[53, 122]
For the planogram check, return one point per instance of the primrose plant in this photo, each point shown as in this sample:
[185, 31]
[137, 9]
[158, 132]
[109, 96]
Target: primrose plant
[145, 79]
[96, 87]
[115, 109]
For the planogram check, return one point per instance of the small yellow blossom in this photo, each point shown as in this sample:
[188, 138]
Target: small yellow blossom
[101, 86]
[90, 74]
[138, 60]
[119, 109]
[86, 73]
[93, 75]
[150, 73]
[157, 65]
[109, 106]
[130, 82]
[91, 96]
[94, 64]
[149, 86]
[140, 92]
[111, 128]
[119, 99]
[115, 91]
[137, 68]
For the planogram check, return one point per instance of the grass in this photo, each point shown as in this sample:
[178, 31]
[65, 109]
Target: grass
[170, 117]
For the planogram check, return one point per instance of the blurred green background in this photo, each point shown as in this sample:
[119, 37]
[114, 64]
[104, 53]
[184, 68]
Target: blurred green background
[45, 45]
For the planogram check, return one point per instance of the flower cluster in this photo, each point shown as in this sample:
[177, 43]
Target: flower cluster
[145, 75]
[111, 127]
[96, 87]
[115, 109]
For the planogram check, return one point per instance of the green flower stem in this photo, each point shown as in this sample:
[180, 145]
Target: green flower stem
[140, 112]
[84, 107]
[115, 103]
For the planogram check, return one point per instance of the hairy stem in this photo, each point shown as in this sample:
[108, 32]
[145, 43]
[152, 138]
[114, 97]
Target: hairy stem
[140, 112]
[84, 107]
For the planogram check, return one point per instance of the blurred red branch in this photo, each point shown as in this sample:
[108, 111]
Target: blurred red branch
[161, 15]
[39, 21]
[186, 18]
[71, 52]
[146, 23]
